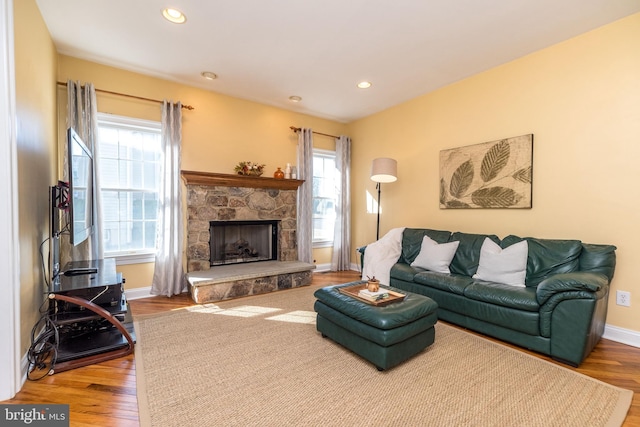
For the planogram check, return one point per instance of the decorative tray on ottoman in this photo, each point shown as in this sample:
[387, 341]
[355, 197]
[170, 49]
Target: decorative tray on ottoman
[354, 292]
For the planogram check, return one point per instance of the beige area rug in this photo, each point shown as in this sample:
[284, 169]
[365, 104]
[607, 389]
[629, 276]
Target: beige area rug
[259, 361]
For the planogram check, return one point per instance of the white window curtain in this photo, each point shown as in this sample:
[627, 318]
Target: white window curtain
[168, 275]
[340, 260]
[305, 195]
[82, 116]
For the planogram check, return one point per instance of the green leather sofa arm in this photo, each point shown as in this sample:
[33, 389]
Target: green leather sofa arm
[570, 282]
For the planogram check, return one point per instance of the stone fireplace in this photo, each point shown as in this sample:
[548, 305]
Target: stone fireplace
[232, 200]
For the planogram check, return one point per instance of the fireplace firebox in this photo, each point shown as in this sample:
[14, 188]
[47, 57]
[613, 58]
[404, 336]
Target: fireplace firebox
[235, 242]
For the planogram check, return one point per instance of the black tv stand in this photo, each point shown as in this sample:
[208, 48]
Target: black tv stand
[90, 312]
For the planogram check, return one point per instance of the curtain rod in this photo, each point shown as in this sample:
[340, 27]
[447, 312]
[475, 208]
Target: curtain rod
[186, 107]
[296, 130]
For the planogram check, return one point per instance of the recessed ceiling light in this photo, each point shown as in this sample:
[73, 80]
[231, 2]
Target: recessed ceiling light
[295, 98]
[209, 75]
[174, 15]
[364, 85]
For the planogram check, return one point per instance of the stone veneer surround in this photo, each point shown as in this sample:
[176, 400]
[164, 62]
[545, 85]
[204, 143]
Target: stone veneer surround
[223, 197]
[234, 197]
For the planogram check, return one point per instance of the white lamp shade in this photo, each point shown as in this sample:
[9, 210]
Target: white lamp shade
[384, 169]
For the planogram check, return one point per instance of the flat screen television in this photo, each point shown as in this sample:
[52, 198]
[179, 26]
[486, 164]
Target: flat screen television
[80, 163]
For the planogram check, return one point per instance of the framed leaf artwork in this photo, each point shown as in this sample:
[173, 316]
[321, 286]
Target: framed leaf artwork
[494, 174]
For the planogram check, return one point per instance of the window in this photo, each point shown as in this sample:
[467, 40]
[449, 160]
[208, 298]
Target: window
[129, 179]
[324, 197]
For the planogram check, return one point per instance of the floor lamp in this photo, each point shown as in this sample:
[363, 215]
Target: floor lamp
[383, 169]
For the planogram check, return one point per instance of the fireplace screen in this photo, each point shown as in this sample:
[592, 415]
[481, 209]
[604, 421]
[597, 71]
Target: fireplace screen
[234, 242]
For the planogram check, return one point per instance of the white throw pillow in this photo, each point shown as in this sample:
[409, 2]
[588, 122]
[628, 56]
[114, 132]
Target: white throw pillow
[507, 266]
[435, 257]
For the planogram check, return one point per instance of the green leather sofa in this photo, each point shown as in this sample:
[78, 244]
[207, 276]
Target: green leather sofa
[560, 312]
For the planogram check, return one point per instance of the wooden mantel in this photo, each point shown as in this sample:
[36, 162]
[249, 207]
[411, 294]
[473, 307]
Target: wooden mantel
[229, 180]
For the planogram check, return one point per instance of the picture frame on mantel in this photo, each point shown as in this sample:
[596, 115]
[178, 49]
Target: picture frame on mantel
[490, 175]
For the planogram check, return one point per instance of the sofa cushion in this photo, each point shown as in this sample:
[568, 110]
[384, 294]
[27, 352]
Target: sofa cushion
[435, 256]
[412, 241]
[547, 257]
[467, 257]
[520, 298]
[510, 318]
[447, 282]
[404, 272]
[507, 266]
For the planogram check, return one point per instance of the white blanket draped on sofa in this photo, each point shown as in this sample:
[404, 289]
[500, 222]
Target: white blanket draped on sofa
[381, 255]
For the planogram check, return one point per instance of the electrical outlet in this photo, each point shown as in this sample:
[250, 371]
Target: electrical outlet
[623, 298]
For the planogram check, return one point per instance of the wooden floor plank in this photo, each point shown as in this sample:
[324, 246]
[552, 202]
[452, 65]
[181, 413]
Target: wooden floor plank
[104, 394]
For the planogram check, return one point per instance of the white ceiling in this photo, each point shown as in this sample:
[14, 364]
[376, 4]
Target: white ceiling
[268, 50]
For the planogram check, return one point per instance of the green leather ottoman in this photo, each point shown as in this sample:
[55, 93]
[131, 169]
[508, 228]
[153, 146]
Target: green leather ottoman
[385, 336]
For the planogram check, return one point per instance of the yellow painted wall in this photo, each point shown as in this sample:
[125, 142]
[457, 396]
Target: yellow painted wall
[35, 70]
[580, 99]
[216, 135]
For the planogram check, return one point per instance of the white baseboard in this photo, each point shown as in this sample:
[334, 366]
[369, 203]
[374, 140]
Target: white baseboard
[621, 335]
[323, 268]
[24, 368]
[138, 293]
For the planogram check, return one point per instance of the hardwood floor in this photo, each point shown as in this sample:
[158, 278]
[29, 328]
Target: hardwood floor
[105, 394]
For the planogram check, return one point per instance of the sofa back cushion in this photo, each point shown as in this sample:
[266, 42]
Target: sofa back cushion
[412, 241]
[547, 257]
[467, 256]
[598, 259]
